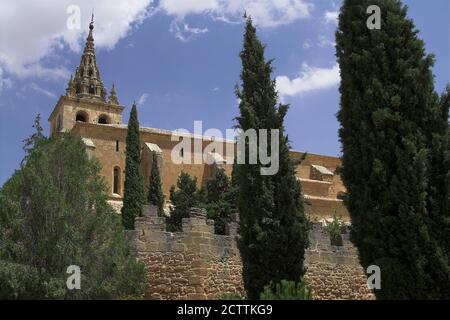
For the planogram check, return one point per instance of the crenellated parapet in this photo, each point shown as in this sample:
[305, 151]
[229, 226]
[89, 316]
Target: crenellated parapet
[192, 264]
[198, 264]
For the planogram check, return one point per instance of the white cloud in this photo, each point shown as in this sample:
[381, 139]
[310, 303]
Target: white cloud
[331, 16]
[5, 83]
[325, 42]
[142, 99]
[182, 8]
[265, 13]
[307, 45]
[33, 30]
[310, 79]
[183, 31]
[42, 91]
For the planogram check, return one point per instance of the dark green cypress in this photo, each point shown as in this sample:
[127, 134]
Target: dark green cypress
[155, 194]
[389, 116]
[134, 195]
[273, 229]
[439, 193]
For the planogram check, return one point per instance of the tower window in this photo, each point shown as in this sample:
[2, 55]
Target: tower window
[116, 182]
[91, 89]
[117, 145]
[182, 152]
[103, 119]
[90, 72]
[81, 117]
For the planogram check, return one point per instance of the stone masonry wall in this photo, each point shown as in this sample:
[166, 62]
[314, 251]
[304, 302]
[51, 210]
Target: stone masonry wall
[198, 264]
[333, 271]
[193, 264]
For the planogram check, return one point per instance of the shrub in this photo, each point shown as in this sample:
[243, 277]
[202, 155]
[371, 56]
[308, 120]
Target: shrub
[287, 290]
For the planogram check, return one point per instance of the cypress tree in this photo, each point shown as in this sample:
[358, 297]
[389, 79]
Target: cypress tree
[273, 229]
[155, 194]
[394, 136]
[134, 195]
[439, 193]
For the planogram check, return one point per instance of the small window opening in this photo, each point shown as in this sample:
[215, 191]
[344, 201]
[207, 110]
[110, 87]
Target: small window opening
[103, 119]
[116, 180]
[81, 117]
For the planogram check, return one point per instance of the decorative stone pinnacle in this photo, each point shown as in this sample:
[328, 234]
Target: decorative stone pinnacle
[113, 96]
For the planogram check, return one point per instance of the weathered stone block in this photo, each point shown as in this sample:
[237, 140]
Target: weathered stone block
[195, 280]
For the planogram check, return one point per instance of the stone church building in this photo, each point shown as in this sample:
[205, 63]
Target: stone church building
[197, 263]
[88, 111]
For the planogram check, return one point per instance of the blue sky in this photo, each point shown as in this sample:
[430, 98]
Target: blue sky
[180, 61]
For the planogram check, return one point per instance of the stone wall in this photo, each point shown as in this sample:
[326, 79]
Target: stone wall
[198, 264]
[333, 271]
[193, 264]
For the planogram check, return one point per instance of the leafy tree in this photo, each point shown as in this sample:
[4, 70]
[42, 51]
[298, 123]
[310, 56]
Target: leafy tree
[155, 194]
[287, 290]
[219, 200]
[36, 138]
[53, 214]
[273, 228]
[183, 199]
[334, 229]
[394, 135]
[134, 195]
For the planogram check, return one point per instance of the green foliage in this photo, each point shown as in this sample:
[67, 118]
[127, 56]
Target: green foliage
[134, 194]
[155, 194]
[287, 290]
[53, 214]
[394, 135]
[35, 139]
[219, 200]
[230, 296]
[334, 228]
[183, 199]
[273, 228]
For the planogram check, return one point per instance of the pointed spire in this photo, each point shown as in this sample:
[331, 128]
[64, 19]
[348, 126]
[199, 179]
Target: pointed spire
[87, 82]
[70, 90]
[113, 96]
[91, 25]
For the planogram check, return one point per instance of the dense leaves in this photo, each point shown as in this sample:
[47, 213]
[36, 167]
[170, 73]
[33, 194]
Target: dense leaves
[155, 195]
[219, 200]
[273, 229]
[53, 214]
[183, 198]
[394, 135]
[134, 194]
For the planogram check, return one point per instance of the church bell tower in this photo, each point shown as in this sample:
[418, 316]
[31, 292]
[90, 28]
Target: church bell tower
[86, 99]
